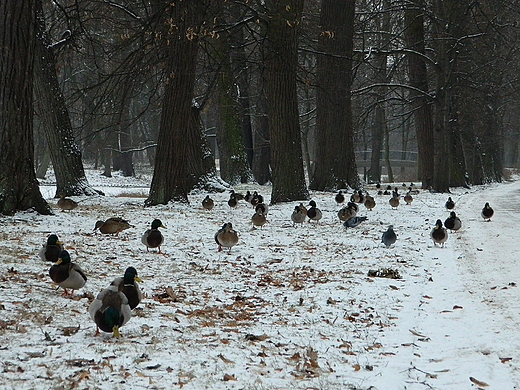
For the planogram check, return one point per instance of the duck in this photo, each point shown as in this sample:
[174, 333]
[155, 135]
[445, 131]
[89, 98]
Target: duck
[66, 203]
[340, 198]
[303, 209]
[394, 200]
[113, 225]
[248, 196]
[357, 197]
[153, 238]
[237, 195]
[313, 212]
[110, 310]
[226, 237]
[408, 198]
[354, 221]
[232, 202]
[208, 203]
[298, 215]
[257, 198]
[450, 204]
[348, 211]
[131, 287]
[262, 207]
[258, 219]
[66, 274]
[389, 237]
[369, 203]
[439, 234]
[453, 222]
[51, 250]
[487, 212]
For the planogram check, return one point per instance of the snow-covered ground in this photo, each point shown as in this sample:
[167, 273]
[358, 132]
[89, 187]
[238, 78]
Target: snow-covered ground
[289, 308]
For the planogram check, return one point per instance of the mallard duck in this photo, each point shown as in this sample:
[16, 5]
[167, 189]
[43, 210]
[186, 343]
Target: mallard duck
[453, 222]
[303, 209]
[408, 198]
[348, 211]
[439, 234]
[237, 195]
[355, 197]
[257, 198]
[370, 203]
[258, 218]
[67, 274]
[208, 203]
[354, 221]
[340, 198]
[153, 238]
[248, 196]
[50, 251]
[66, 203]
[232, 202]
[450, 204]
[389, 237]
[110, 310]
[262, 207]
[112, 225]
[298, 215]
[313, 212]
[130, 286]
[394, 200]
[487, 212]
[226, 237]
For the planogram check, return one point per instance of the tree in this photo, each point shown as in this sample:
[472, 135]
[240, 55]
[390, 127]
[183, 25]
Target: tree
[183, 161]
[335, 157]
[281, 50]
[18, 185]
[65, 153]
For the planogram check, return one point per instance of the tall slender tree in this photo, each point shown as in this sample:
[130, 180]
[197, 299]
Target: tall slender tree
[18, 185]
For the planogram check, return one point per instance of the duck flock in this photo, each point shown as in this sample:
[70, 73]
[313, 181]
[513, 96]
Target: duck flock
[113, 306]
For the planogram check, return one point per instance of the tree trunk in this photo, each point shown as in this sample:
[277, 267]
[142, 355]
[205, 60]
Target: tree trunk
[183, 161]
[260, 124]
[335, 158]
[418, 76]
[18, 185]
[65, 153]
[284, 126]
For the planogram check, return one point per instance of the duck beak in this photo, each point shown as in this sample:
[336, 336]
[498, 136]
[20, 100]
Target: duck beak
[137, 278]
[115, 331]
[163, 226]
[60, 260]
[59, 242]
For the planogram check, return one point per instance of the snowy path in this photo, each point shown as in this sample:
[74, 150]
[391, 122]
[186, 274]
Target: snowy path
[468, 323]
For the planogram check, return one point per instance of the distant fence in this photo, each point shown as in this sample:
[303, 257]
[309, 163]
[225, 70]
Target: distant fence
[398, 158]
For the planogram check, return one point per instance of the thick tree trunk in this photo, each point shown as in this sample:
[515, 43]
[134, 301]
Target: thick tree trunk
[284, 126]
[183, 161]
[418, 75]
[335, 158]
[260, 124]
[18, 185]
[65, 154]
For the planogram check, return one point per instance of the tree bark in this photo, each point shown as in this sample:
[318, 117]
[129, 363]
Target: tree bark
[183, 161]
[18, 185]
[65, 153]
[284, 126]
[335, 158]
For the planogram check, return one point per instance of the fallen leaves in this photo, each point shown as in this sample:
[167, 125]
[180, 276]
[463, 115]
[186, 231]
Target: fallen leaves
[478, 382]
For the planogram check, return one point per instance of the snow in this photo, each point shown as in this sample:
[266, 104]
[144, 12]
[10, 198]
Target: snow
[289, 308]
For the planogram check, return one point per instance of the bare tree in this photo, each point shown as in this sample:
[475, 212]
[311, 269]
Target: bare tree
[18, 185]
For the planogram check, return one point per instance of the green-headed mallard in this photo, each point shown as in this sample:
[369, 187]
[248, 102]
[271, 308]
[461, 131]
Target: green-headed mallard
[487, 212]
[233, 201]
[153, 238]
[439, 234]
[453, 222]
[112, 225]
[226, 237]
[262, 207]
[314, 213]
[208, 203]
[298, 215]
[130, 286]
[256, 198]
[66, 203]
[258, 218]
[110, 310]
[67, 274]
[389, 237]
[50, 251]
